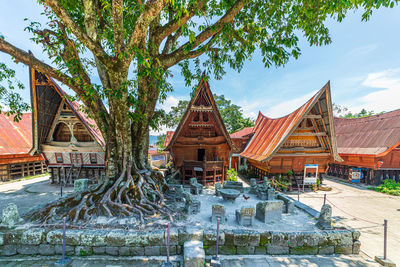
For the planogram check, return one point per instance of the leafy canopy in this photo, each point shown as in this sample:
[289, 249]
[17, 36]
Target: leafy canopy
[343, 112]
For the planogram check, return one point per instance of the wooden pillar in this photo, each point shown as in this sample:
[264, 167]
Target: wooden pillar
[41, 166]
[204, 174]
[215, 173]
[59, 175]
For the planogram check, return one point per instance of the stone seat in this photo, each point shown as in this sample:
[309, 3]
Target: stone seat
[195, 187]
[245, 216]
[229, 194]
[269, 211]
[192, 206]
[289, 203]
[218, 188]
[218, 212]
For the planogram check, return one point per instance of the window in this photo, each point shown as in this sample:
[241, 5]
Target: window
[93, 158]
[59, 158]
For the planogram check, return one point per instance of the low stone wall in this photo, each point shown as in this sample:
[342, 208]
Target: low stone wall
[41, 241]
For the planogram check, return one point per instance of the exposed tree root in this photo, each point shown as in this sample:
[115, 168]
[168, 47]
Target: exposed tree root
[137, 193]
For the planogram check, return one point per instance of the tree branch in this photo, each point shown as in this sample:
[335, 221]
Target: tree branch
[76, 30]
[180, 53]
[118, 24]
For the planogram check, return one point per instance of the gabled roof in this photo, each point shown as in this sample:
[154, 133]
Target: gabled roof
[202, 88]
[374, 135]
[270, 134]
[242, 133]
[46, 97]
[168, 138]
[15, 137]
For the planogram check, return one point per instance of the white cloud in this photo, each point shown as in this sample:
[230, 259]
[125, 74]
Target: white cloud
[387, 95]
[362, 50]
[171, 101]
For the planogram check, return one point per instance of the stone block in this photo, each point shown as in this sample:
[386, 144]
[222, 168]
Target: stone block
[254, 239]
[209, 249]
[240, 238]
[218, 212]
[325, 218]
[326, 250]
[95, 238]
[10, 216]
[12, 237]
[265, 238]
[136, 239]
[83, 251]
[136, 251]
[193, 255]
[288, 203]
[115, 238]
[306, 250]
[356, 235]
[72, 237]
[63, 262]
[152, 251]
[356, 247]
[173, 237]
[69, 250]
[1, 238]
[277, 250]
[47, 250]
[157, 238]
[234, 185]
[279, 239]
[33, 237]
[311, 239]
[295, 239]
[245, 216]
[28, 249]
[260, 250]
[8, 250]
[81, 185]
[346, 250]
[340, 238]
[249, 250]
[124, 251]
[210, 237]
[190, 233]
[227, 250]
[99, 250]
[229, 237]
[113, 251]
[179, 250]
[269, 211]
[172, 250]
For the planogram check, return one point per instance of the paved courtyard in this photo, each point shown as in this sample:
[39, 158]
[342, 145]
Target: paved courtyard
[358, 207]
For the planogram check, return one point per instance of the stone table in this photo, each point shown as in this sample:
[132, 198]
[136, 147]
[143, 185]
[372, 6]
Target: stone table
[229, 194]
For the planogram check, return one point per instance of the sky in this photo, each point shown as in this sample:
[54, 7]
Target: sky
[362, 64]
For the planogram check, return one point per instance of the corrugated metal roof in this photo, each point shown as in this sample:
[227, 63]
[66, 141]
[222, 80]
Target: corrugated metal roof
[15, 137]
[270, 134]
[168, 138]
[370, 135]
[242, 133]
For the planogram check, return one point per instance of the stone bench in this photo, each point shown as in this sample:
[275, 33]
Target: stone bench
[194, 255]
[234, 185]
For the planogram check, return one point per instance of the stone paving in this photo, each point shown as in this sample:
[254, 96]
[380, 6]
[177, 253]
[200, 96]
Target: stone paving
[360, 208]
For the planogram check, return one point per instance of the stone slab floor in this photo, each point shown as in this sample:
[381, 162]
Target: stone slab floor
[360, 208]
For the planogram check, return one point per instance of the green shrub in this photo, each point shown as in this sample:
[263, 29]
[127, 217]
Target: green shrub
[390, 187]
[232, 175]
[243, 170]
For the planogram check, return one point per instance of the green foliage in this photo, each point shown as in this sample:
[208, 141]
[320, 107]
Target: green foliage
[343, 112]
[160, 142]
[243, 170]
[11, 101]
[390, 187]
[232, 175]
[231, 114]
[282, 182]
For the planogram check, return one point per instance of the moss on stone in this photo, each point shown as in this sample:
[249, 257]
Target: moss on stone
[306, 250]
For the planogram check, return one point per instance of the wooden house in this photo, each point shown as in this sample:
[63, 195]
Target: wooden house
[68, 139]
[201, 146]
[305, 136]
[370, 148]
[240, 140]
[15, 144]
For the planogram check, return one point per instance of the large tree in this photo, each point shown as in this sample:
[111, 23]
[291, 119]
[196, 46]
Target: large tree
[231, 114]
[131, 45]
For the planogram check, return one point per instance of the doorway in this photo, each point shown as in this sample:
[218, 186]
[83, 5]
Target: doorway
[201, 152]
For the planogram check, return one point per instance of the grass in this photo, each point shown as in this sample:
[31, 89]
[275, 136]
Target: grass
[389, 186]
[24, 178]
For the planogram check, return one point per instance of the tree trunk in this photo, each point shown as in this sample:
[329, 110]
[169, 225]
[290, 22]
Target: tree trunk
[130, 188]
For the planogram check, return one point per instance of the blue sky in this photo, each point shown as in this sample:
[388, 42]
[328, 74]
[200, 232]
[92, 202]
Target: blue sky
[362, 63]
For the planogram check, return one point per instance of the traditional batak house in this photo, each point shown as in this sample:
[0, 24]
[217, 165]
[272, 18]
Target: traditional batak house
[201, 146]
[240, 140]
[370, 148]
[15, 144]
[306, 136]
[68, 139]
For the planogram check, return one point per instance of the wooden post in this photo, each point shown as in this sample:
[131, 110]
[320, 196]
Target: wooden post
[9, 171]
[204, 173]
[41, 166]
[59, 175]
[215, 173]
[183, 175]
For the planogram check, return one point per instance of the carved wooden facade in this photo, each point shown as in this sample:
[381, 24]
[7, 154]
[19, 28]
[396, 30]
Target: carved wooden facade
[306, 136]
[201, 146]
[69, 141]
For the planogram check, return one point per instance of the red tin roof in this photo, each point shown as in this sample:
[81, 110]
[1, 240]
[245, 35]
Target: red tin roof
[270, 134]
[371, 135]
[15, 137]
[242, 133]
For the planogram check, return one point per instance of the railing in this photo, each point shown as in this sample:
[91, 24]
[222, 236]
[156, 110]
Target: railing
[206, 172]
